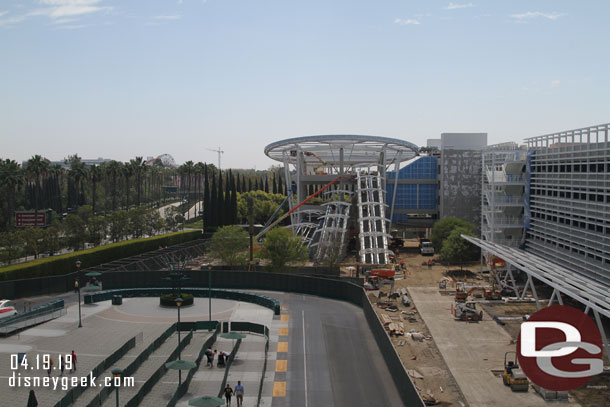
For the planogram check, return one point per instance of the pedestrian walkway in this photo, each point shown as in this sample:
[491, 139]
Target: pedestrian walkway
[247, 367]
[168, 384]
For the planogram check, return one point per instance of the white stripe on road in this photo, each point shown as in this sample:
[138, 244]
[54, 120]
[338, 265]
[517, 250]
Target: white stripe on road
[304, 356]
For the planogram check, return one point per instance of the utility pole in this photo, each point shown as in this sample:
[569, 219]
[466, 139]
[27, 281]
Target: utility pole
[251, 232]
[219, 151]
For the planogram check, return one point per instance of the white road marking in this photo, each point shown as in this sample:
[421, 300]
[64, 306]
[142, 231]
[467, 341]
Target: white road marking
[304, 357]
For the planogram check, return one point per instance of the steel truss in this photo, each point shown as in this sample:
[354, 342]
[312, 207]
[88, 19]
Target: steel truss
[372, 218]
[583, 289]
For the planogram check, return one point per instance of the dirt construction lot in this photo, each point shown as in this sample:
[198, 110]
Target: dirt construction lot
[456, 363]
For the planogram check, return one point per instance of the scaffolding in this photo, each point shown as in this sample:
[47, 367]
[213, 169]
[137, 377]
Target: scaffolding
[312, 161]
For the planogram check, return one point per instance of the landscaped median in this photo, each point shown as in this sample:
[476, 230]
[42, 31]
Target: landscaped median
[65, 263]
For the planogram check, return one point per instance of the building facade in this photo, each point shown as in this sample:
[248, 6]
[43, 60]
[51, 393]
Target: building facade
[569, 200]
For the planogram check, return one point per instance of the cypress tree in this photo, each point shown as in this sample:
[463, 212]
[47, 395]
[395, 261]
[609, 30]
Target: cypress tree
[214, 203]
[267, 184]
[243, 184]
[234, 204]
[237, 184]
[220, 201]
[227, 202]
[274, 185]
[280, 185]
[206, 198]
[256, 187]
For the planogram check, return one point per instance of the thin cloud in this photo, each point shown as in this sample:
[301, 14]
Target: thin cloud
[168, 17]
[410, 21]
[529, 15]
[3, 13]
[455, 6]
[555, 83]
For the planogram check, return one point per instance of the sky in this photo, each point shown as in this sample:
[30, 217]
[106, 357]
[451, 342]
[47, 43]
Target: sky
[125, 78]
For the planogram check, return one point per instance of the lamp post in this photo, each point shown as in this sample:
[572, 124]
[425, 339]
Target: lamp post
[116, 373]
[80, 324]
[179, 304]
[209, 291]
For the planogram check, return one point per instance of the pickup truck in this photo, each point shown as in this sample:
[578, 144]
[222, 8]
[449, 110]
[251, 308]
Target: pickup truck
[425, 247]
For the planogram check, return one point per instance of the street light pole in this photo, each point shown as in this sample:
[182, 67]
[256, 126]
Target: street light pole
[178, 304]
[117, 373]
[209, 291]
[80, 324]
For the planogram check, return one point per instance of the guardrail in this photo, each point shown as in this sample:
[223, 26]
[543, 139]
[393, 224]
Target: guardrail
[262, 300]
[75, 392]
[152, 380]
[229, 363]
[98, 400]
[182, 389]
[37, 315]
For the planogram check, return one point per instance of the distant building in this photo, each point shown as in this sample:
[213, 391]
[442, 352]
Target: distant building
[460, 176]
[87, 161]
[463, 141]
[434, 142]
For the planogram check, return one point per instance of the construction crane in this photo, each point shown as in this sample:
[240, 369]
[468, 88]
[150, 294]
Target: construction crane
[219, 151]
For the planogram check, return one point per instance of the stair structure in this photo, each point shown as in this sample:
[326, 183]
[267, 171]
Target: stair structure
[372, 219]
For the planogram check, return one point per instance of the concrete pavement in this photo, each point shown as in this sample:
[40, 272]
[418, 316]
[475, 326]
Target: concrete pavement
[471, 351]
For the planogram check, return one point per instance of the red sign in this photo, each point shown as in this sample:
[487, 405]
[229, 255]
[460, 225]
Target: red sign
[23, 219]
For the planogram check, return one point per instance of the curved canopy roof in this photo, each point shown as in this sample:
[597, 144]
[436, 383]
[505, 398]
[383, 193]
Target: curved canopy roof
[357, 150]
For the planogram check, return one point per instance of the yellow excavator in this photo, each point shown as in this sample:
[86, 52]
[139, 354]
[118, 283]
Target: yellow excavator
[513, 376]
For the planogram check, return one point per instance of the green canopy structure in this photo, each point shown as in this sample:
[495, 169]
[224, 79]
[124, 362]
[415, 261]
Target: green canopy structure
[206, 402]
[180, 365]
[93, 274]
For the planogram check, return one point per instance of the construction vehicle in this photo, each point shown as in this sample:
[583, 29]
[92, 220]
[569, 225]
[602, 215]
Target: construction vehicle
[462, 292]
[425, 247]
[466, 311]
[513, 376]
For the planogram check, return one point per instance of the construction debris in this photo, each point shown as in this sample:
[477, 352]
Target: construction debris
[385, 319]
[415, 374]
[396, 328]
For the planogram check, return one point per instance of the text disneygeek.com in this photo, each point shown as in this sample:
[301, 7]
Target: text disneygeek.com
[65, 382]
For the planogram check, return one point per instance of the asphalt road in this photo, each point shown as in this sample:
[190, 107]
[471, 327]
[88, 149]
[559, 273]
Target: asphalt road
[333, 359]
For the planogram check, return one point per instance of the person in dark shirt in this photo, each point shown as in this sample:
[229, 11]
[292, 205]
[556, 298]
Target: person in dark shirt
[228, 394]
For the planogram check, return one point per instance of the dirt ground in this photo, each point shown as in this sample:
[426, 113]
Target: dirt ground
[422, 357]
[429, 363]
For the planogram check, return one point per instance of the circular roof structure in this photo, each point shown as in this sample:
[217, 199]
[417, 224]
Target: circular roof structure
[357, 150]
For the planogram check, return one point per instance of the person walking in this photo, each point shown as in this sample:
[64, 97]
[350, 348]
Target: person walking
[75, 285]
[62, 364]
[210, 355]
[239, 393]
[228, 394]
[429, 264]
[51, 363]
[73, 367]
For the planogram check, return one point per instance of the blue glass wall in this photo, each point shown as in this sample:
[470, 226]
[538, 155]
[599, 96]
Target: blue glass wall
[413, 196]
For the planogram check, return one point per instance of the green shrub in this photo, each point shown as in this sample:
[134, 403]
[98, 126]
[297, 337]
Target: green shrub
[169, 300]
[65, 263]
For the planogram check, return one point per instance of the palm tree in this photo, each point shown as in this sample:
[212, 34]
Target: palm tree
[11, 176]
[95, 175]
[77, 173]
[139, 168]
[37, 167]
[127, 172]
[54, 192]
[113, 169]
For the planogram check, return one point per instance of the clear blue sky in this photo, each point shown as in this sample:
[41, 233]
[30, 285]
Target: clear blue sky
[123, 78]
